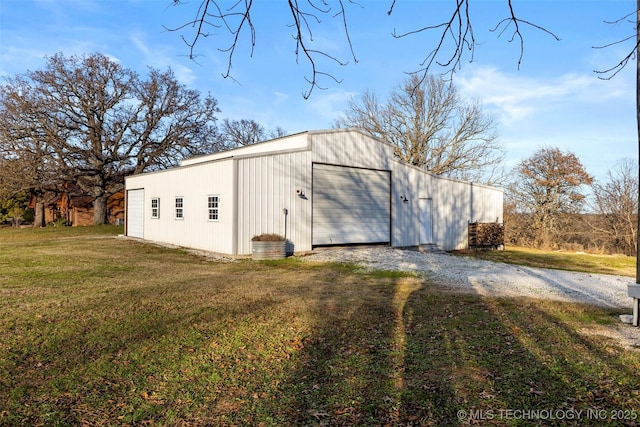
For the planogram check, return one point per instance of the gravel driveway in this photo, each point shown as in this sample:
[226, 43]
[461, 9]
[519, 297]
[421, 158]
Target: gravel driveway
[490, 278]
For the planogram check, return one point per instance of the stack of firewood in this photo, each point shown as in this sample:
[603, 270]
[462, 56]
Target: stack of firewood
[485, 235]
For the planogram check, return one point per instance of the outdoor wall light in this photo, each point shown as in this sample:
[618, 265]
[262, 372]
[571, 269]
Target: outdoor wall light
[404, 198]
[300, 193]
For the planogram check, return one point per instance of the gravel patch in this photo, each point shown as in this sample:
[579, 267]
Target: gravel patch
[489, 278]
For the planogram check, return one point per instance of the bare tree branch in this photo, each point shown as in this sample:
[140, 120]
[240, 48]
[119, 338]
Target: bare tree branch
[433, 127]
[611, 72]
[90, 121]
[236, 17]
[238, 133]
[458, 30]
[615, 202]
[245, 18]
[455, 33]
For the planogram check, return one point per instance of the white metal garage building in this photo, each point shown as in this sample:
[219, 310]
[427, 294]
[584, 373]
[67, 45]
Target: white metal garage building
[317, 188]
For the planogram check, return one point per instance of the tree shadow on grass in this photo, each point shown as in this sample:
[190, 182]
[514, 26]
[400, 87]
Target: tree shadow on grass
[397, 357]
[417, 355]
[509, 361]
[329, 346]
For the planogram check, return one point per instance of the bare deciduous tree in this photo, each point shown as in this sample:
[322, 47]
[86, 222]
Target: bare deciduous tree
[237, 133]
[28, 161]
[455, 33]
[615, 202]
[99, 122]
[632, 18]
[432, 127]
[547, 186]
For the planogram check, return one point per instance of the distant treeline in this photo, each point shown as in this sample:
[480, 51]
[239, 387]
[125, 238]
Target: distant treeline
[592, 233]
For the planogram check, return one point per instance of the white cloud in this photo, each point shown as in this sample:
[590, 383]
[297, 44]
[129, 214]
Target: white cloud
[158, 57]
[516, 98]
[327, 105]
[185, 75]
[280, 98]
[576, 112]
[142, 47]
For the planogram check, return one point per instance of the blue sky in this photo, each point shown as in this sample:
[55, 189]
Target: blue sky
[554, 99]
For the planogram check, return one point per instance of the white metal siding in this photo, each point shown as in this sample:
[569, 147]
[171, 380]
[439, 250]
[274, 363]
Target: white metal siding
[349, 148]
[487, 204]
[287, 143]
[350, 205]
[267, 185]
[257, 184]
[454, 204]
[426, 221]
[194, 184]
[135, 213]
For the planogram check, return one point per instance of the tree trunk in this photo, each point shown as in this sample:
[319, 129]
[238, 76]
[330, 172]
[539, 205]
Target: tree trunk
[38, 214]
[100, 209]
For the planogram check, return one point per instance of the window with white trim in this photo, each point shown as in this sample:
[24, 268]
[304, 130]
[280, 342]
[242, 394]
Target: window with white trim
[213, 207]
[155, 207]
[179, 207]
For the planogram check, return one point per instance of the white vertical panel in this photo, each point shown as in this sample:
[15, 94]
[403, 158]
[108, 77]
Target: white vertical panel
[405, 215]
[267, 185]
[350, 205]
[287, 143]
[135, 213]
[426, 221]
[487, 204]
[351, 148]
[194, 184]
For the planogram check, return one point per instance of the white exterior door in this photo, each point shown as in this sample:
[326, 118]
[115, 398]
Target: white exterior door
[350, 205]
[426, 221]
[135, 213]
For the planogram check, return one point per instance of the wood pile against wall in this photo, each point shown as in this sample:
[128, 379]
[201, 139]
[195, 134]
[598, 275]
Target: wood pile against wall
[486, 235]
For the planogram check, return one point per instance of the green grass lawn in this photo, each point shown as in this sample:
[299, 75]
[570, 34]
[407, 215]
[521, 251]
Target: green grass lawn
[590, 263]
[99, 330]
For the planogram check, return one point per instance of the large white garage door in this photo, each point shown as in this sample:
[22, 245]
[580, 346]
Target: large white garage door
[135, 213]
[350, 205]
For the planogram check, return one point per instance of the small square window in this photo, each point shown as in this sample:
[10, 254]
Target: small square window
[155, 208]
[180, 207]
[213, 206]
